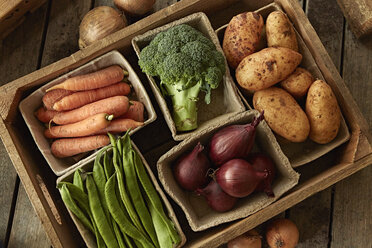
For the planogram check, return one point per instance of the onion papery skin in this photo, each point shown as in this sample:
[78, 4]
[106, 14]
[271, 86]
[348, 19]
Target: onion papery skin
[191, 169]
[250, 239]
[235, 141]
[238, 178]
[216, 198]
[262, 162]
[282, 233]
[99, 23]
[135, 7]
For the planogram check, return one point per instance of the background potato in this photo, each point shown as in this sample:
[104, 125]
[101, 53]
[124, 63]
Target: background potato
[242, 37]
[298, 83]
[323, 112]
[267, 67]
[279, 31]
[282, 113]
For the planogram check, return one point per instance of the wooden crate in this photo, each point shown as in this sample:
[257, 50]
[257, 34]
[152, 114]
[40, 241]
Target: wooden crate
[40, 182]
[12, 13]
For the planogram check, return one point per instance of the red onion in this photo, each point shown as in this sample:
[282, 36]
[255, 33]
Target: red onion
[217, 199]
[238, 178]
[262, 162]
[234, 141]
[191, 169]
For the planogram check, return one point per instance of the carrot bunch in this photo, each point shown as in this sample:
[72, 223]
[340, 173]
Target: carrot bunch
[81, 110]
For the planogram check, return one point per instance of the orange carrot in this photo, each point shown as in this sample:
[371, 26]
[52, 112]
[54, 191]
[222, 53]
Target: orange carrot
[116, 105]
[135, 111]
[120, 125]
[81, 98]
[45, 115]
[68, 147]
[94, 80]
[53, 96]
[86, 127]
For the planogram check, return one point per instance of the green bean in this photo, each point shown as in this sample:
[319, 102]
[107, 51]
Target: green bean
[124, 223]
[98, 214]
[123, 194]
[135, 191]
[77, 180]
[100, 242]
[164, 238]
[154, 198]
[118, 235]
[70, 203]
[108, 165]
[78, 195]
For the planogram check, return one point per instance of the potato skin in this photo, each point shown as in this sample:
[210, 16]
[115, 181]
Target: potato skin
[298, 83]
[279, 31]
[282, 113]
[323, 112]
[242, 37]
[267, 67]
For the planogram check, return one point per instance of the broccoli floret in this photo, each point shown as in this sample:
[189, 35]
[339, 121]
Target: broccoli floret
[186, 62]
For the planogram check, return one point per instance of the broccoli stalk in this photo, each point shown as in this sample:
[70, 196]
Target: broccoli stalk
[186, 63]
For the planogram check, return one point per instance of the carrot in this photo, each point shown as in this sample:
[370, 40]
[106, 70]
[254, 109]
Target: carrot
[45, 115]
[135, 111]
[116, 105]
[94, 80]
[68, 147]
[120, 125]
[86, 127]
[53, 96]
[81, 98]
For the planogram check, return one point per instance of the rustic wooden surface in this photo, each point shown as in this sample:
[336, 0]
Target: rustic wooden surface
[337, 217]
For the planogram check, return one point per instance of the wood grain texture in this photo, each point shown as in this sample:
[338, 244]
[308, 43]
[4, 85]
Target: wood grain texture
[63, 29]
[27, 230]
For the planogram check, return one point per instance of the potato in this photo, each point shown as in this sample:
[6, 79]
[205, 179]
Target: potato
[323, 112]
[242, 37]
[282, 113]
[298, 83]
[279, 31]
[267, 67]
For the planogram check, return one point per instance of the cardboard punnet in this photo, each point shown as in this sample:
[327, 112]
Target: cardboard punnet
[199, 215]
[307, 151]
[31, 103]
[224, 99]
[87, 236]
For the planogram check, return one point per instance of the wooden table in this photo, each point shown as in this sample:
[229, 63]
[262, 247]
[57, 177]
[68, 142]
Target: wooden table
[337, 217]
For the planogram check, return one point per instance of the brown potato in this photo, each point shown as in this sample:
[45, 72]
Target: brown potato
[267, 67]
[298, 83]
[242, 37]
[282, 113]
[279, 31]
[323, 112]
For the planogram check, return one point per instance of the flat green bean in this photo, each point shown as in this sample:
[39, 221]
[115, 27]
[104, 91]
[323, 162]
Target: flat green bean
[118, 235]
[73, 207]
[98, 214]
[77, 180]
[99, 239]
[124, 223]
[154, 198]
[122, 190]
[135, 191]
[78, 195]
[108, 165]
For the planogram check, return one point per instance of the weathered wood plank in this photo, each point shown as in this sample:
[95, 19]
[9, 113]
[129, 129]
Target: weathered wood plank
[27, 230]
[18, 56]
[313, 215]
[63, 29]
[352, 219]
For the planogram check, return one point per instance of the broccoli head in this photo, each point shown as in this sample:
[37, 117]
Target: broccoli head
[186, 62]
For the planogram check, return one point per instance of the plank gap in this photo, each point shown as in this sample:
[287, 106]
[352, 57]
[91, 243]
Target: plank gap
[12, 211]
[331, 218]
[92, 4]
[341, 66]
[43, 37]
[304, 3]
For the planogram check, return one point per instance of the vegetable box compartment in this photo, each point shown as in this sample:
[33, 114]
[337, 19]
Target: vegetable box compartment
[88, 237]
[30, 104]
[199, 215]
[224, 100]
[307, 151]
[40, 181]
